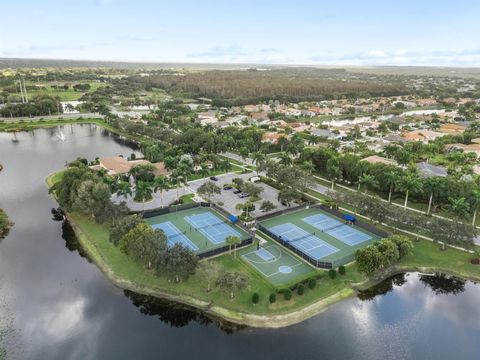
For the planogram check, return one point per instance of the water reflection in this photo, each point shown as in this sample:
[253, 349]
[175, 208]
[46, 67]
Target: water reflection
[382, 288]
[175, 314]
[62, 307]
[442, 284]
[71, 240]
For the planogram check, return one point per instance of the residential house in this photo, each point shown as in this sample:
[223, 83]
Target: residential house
[471, 148]
[452, 129]
[207, 117]
[428, 170]
[118, 165]
[375, 159]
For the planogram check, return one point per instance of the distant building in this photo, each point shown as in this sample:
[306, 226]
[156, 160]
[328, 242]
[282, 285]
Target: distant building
[375, 159]
[428, 170]
[118, 165]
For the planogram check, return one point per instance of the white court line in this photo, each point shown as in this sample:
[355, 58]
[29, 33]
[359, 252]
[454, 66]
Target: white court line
[279, 272]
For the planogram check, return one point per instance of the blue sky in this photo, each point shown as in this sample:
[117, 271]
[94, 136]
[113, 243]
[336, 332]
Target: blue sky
[341, 32]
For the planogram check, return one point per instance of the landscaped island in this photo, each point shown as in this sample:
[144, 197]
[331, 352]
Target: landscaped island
[227, 286]
[5, 223]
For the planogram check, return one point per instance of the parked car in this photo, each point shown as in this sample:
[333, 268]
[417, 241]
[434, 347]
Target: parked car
[227, 187]
[255, 179]
[243, 195]
[213, 178]
[237, 191]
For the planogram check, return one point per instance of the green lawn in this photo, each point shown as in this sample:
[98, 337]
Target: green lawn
[426, 256]
[95, 238]
[64, 95]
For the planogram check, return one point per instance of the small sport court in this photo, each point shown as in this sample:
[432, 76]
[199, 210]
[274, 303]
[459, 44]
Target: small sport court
[277, 265]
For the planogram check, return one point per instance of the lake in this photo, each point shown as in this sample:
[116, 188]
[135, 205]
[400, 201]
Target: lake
[55, 304]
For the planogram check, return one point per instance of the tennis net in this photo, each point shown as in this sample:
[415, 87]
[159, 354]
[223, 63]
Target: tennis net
[210, 225]
[298, 238]
[333, 227]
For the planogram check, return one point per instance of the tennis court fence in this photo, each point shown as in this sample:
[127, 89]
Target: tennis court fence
[224, 249]
[171, 209]
[361, 224]
[288, 245]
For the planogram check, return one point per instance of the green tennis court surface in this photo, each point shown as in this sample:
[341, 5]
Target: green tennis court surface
[199, 229]
[319, 235]
[276, 264]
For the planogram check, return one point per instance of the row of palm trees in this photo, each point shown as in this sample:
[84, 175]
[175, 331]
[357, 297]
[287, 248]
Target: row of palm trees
[180, 175]
[409, 182]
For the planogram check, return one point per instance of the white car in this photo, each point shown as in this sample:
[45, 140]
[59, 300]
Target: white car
[254, 179]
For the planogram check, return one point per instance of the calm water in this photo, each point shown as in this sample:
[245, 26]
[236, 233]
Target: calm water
[57, 305]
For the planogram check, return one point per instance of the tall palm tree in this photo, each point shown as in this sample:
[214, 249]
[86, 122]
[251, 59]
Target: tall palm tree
[475, 198]
[123, 189]
[368, 180]
[282, 141]
[143, 191]
[285, 159]
[391, 180]
[176, 179]
[233, 241]
[204, 170]
[160, 183]
[409, 183]
[431, 186]
[458, 207]
[258, 158]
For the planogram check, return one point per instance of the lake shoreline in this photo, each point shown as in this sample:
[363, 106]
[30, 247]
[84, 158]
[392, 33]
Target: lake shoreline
[247, 319]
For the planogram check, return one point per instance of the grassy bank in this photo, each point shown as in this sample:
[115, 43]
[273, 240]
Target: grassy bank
[29, 124]
[126, 273]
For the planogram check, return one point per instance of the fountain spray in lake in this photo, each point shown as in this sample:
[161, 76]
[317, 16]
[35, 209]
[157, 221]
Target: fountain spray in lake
[61, 135]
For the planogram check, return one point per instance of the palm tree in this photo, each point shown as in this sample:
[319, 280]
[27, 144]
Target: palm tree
[409, 183]
[233, 241]
[258, 158]
[333, 170]
[458, 207]
[204, 171]
[285, 159]
[143, 191]
[368, 180]
[123, 189]
[282, 141]
[391, 180]
[225, 165]
[177, 180]
[431, 186]
[160, 183]
[475, 198]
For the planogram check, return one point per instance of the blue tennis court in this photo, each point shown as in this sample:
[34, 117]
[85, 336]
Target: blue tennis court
[303, 241]
[321, 221]
[264, 254]
[349, 235]
[339, 230]
[175, 236]
[212, 227]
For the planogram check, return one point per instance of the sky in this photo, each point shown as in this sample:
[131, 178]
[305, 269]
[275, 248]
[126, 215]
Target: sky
[337, 32]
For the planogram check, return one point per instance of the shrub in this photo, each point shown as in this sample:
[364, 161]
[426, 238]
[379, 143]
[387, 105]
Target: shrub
[332, 273]
[287, 294]
[342, 270]
[301, 289]
[255, 298]
[312, 283]
[272, 298]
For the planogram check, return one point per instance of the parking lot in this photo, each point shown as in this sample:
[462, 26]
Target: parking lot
[228, 200]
